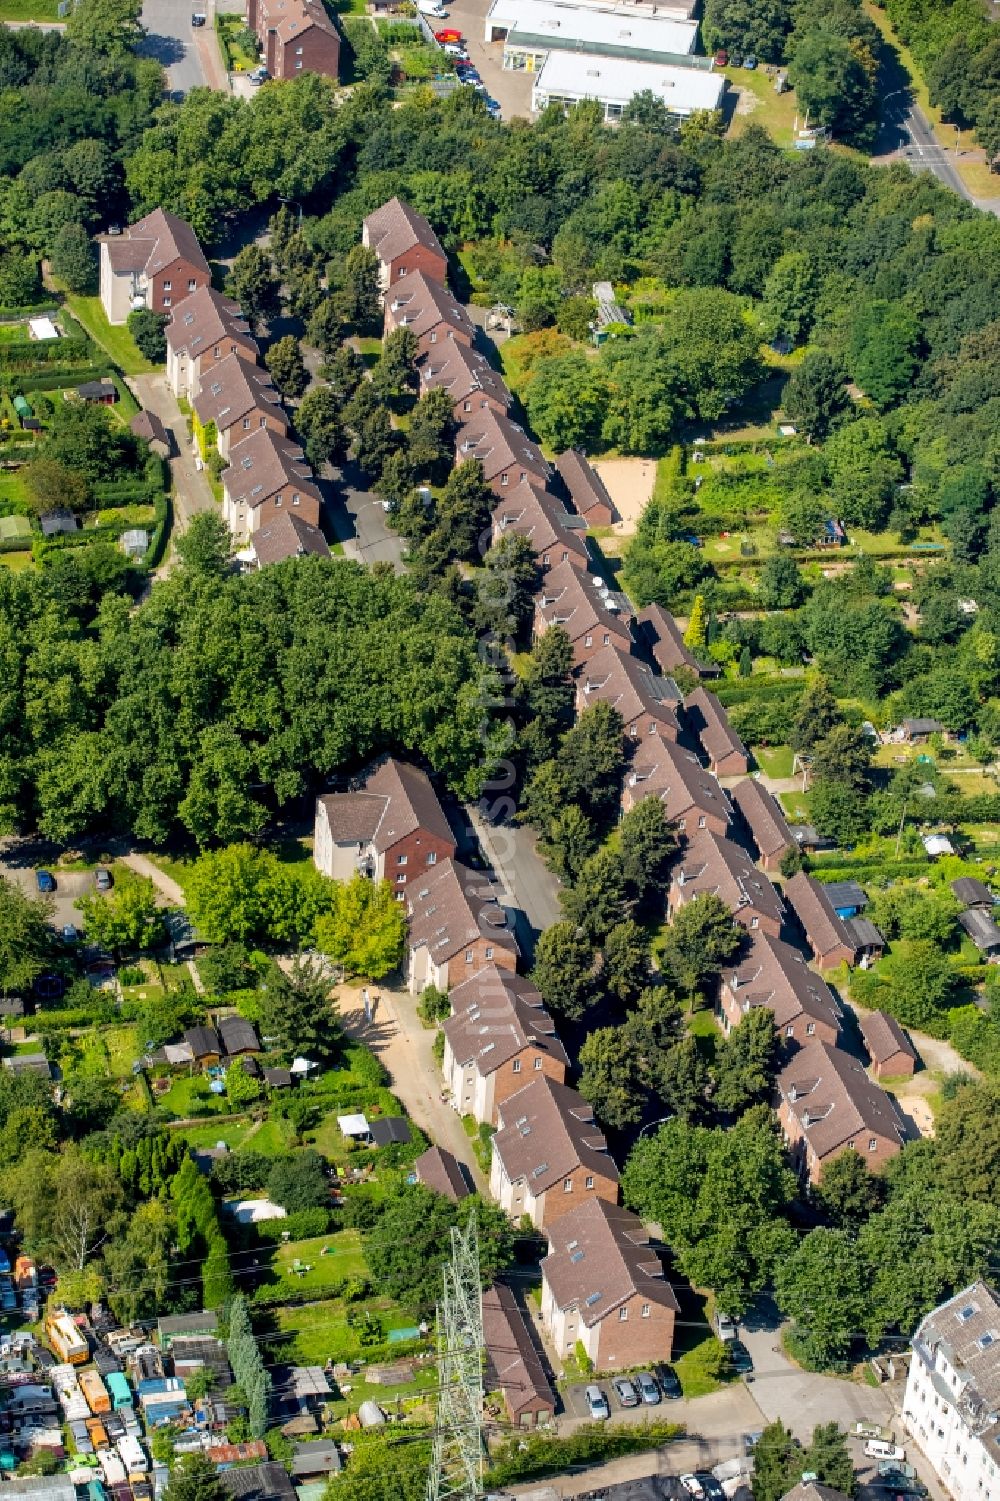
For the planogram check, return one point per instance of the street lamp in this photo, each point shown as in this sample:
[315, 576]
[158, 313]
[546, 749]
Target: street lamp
[288, 202]
[661, 1122]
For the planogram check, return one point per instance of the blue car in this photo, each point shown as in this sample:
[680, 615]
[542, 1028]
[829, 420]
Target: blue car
[45, 880]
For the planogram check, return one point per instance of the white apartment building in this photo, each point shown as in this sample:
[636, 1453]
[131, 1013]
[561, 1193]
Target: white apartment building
[952, 1400]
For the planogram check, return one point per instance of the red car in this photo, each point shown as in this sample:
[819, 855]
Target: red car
[448, 35]
[721, 58]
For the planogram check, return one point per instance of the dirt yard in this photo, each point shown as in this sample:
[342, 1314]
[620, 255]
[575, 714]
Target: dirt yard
[630, 485]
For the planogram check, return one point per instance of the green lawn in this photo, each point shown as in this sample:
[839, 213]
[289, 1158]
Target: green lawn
[233, 1133]
[323, 1261]
[122, 1044]
[272, 1138]
[116, 341]
[776, 760]
[12, 486]
[192, 1096]
[796, 806]
[29, 10]
[321, 1331]
[17, 562]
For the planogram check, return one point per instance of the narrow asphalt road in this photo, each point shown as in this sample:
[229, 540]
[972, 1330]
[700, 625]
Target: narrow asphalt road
[532, 887]
[359, 522]
[175, 43]
[192, 492]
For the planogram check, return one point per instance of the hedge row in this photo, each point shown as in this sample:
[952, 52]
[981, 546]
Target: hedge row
[750, 690]
[27, 354]
[52, 380]
[17, 314]
[15, 544]
[161, 531]
[531, 1456]
[829, 868]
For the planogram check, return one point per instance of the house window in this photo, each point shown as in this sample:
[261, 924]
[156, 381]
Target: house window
[262, 422]
[400, 879]
[167, 301]
[401, 859]
[588, 1183]
[298, 65]
[192, 284]
[434, 338]
[432, 858]
[623, 1315]
[701, 823]
[790, 1031]
[516, 1066]
[607, 639]
[401, 271]
[166, 286]
[489, 953]
[810, 1029]
[246, 424]
[218, 351]
[588, 641]
[755, 922]
[295, 499]
[298, 52]
[652, 727]
[504, 478]
[645, 1310]
[538, 1063]
[873, 1143]
[567, 1185]
[468, 956]
[468, 406]
[277, 500]
[545, 558]
[681, 822]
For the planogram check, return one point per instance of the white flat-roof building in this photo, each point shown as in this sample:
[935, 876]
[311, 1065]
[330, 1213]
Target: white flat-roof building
[531, 29]
[566, 78]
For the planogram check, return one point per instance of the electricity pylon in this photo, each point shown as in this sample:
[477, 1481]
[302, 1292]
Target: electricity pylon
[456, 1472]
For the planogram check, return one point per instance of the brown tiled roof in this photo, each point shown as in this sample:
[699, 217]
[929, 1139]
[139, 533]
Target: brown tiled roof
[289, 18]
[812, 1490]
[585, 486]
[147, 425]
[390, 800]
[234, 387]
[537, 515]
[620, 679]
[599, 1257]
[498, 443]
[764, 818]
[577, 604]
[263, 463]
[710, 723]
[662, 769]
[169, 239]
[547, 1130]
[395, 228]
[421, 305]
[129, 253]
[959, 1327]
[460, 371]
[659, 632]
[834, 1100]
[287, 536]
[206, 318]
[775, 975]
[513, 1365]
[496, 1015]
[438, 1170]
[884, 1037]
[450, 907]
[824, 929]
[714, 864]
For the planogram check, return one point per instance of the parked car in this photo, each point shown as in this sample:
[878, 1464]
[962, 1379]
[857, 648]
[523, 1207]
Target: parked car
[721, 58]
[750, 62]
[878, 1448]
[69, 933]
[648, 1389]
[625, 1392]
[691, 1484]
[751, 1440]
[492, 107]
[725, 1327]
[258, 76]
[667, 1381]
[740, 1357]
[896, 1470]
[102, 878]
[872, 1430]
[45, 880]
[432, 8]
[448, 34]
[455, 49]
[198, 18]
[597, 1403]
[711, 1489]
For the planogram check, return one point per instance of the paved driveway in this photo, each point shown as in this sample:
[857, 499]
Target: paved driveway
[19, 864]
[533, 889]
[359, 522]
[191, 490]
[512, 91]
[190, 54]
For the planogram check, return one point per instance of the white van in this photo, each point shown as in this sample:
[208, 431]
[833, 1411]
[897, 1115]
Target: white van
[877, 1448]
[432, 8]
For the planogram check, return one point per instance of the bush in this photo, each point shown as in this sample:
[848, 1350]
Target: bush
[532, 1456]
[302, 1225]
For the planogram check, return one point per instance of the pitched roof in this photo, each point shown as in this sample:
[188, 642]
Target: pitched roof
[981, 929]
[884, 1037]
[263, 463]
[148, 426]
[972, 893]
[263, 1482]
[537, 515]
[711, 863]
[824, 929]
[630, 686]
[834, 1100]
[238, 1035]
[235, 386]
[961, 1327]
[580, 606]
[763, 816]
[390, 1130]
[439, 1170]
[711, 724]
[775, 975]
[204, 319]
[391, 800]
[496, 1015]
[514, 1366]
[659, 632]
[422, 305]
[460, 371]
[547, 1130]
[864, 933]
[662, 769]
[498, 443]
[203, 1041]
[287, 536]
[395, 228]
[159, 239]
[922, 726]
[585, 487]
[845, 894]
[452, 907]
[812, 1490]
[289, 18]
[599, 1257]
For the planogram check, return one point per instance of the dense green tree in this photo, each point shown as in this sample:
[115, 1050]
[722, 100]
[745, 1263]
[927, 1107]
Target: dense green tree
[126, 918]
[253, 284]
[395, 372]
[848, 1193]
[72, 258]
[411, 1241]
[365, 929]
[564, 969]
[139, 1263]
[884, 351]
[596, 900]
[148, 330]
[298, 1181]
[790, 294]
[504, 604]
[746, 1064]
[108, 28]
[297, 1009]
[204, 546]
[822, 1287]
[318, 421]
[776, 1454]
[287, 367]
[429, 437]
[700, 939]
[26, 939]
[647, 844]
[781, 585]
[815, 394]
[625, 969]
[864, 473]
[195, 1478]
[741, 26]
[609, 1079]
[357, 297]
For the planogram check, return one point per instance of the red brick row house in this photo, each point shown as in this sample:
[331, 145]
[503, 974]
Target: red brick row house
[389, 826]
[534, 513]
[776, 977]
[507, 456]
[267, 475]
[296, 36]
[205, 328]
[468, 377]
[691, 796]
[828, 1105]
[723, 748]
[430, 312]
[592, 616]
[155, 264]
[647, 703]
[764, 821]
[712, 864]
[498, 1037]
[404, 244]
[549, 1154]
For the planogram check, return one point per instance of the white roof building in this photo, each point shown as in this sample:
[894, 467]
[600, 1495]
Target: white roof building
[535, 26]
[567, 77]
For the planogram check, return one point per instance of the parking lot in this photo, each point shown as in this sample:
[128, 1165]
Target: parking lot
[19, 862]
[512, 91]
